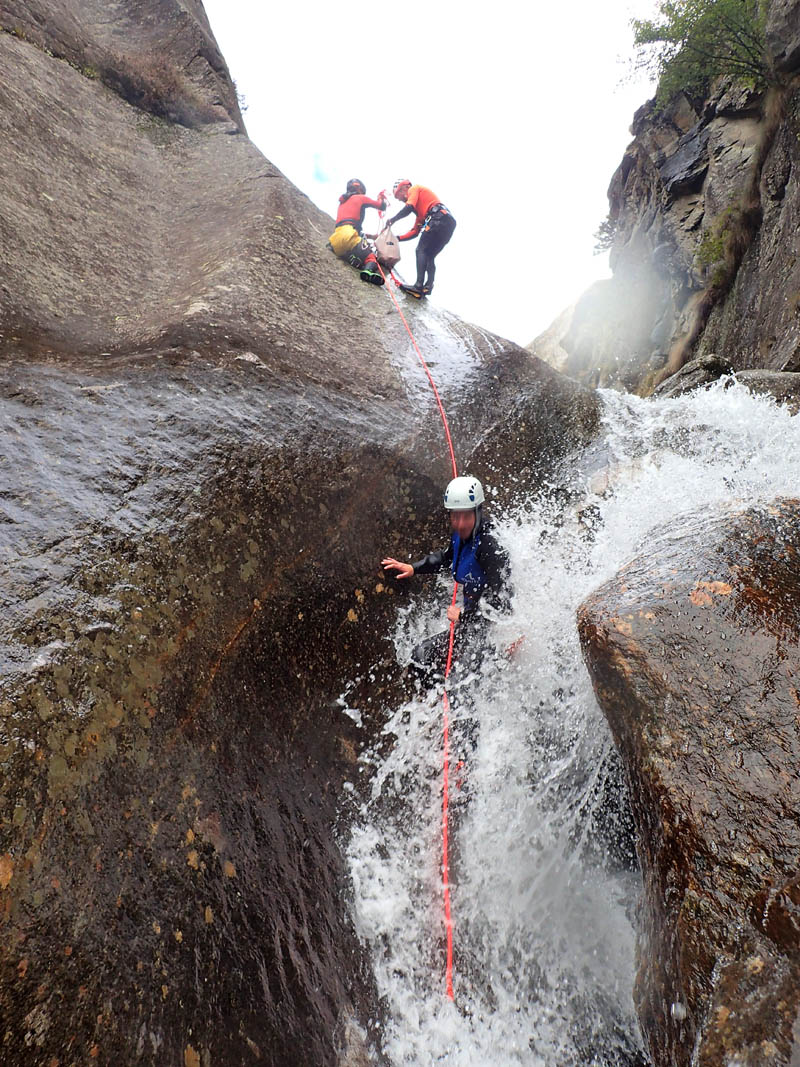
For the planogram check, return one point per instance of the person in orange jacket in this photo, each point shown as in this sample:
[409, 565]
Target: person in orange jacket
[347, 240]
[436, 224]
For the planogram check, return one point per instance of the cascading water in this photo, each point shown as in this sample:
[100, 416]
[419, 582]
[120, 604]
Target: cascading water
[543, 878]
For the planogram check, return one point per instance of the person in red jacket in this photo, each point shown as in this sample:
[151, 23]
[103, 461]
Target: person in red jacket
[347, 240]
[436, 224]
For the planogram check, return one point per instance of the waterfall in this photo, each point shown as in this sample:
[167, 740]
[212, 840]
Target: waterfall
[544, 879]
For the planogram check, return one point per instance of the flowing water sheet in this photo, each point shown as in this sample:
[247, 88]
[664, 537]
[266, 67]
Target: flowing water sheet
[543, 873]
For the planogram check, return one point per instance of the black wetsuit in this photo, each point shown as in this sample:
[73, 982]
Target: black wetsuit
[481, 567]
[437, 225]
[436, 233]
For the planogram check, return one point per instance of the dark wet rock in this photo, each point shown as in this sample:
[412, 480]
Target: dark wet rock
[694, 653]
[212, 432]
[783, 34]
[783, 386]
[697, 372]
[685, 169]
[756, 325]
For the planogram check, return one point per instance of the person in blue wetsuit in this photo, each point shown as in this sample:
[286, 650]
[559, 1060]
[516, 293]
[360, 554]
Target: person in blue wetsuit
[479, 565]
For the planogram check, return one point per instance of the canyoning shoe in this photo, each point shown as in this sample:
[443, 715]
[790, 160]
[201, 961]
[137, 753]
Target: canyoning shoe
[427, 290]
[413, 290]
[369, 274]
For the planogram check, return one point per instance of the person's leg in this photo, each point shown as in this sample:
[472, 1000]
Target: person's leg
[430, 275]
[429, 658]
[358, 255]
[371, 271]
[432, 242]
[363, 258]
[422, 261]
[470, 644]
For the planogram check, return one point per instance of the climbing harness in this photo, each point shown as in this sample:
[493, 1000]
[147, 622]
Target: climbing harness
[448, 920]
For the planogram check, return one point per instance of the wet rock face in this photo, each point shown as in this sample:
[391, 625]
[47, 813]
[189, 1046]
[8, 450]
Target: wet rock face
[757, 323]
[694, 652]
[678, 179]
[213, 431]
[160, 55]
[704, 212]
[783, 34]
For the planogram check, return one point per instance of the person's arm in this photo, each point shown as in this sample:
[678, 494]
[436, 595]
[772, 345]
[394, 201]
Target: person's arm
[404, 570]
[429, 564]
[434, 561]
[411, 233]
[379, 205]
[412, 204]
[401, 214]
[498, 589]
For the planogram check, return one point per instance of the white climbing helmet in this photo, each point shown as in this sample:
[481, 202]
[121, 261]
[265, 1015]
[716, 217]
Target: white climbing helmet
[463, 494]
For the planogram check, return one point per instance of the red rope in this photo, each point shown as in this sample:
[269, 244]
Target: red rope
[448, 919]
[427, 371]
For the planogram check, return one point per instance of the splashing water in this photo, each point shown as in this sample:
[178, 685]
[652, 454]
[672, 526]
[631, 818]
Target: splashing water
[543, 877]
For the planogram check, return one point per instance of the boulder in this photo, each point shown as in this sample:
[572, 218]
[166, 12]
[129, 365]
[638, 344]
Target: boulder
[213, 431]
[782, 386]
[694, 654]
[547, 346]
[697, 372]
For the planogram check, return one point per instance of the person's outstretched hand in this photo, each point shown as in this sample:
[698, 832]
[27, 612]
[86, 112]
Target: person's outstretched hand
[404, 570]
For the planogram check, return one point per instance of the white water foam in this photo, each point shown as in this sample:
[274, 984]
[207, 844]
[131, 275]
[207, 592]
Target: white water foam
[543, 895]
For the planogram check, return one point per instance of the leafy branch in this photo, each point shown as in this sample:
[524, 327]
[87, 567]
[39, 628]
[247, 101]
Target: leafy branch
[691, 42]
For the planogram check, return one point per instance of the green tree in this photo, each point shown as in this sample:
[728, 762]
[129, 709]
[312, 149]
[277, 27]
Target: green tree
[691, 42]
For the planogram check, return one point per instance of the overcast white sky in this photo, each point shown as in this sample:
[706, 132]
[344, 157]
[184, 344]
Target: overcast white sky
[516, 114]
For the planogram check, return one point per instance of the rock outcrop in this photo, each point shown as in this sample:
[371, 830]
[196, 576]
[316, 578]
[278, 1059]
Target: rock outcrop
[704, 214]
[782, 386]
[212, 432]
[694, 653]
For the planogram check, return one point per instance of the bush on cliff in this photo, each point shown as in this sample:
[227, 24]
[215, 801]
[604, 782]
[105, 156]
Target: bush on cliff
[155, 85]
[691, 42]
